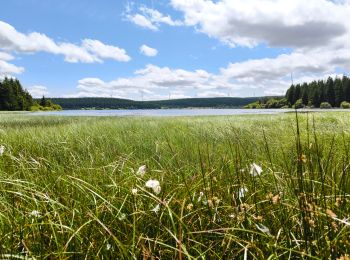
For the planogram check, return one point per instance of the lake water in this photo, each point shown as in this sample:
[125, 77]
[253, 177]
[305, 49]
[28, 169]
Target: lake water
[175, 112]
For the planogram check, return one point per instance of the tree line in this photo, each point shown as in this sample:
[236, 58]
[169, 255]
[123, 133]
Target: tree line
[318, 93]
[13, 97]
[116, 103]
[331, 91]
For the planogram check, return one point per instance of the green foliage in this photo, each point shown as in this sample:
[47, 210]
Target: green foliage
[269, 103]
[345, 105]
[299, 104]
[332, 91]
[13, 97]
[325, 105]
[67, 187]
[49, 106]
[254, 105]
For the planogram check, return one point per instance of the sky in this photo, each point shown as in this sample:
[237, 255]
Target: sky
[158, 49]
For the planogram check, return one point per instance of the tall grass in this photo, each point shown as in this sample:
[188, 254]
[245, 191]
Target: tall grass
[66, 187]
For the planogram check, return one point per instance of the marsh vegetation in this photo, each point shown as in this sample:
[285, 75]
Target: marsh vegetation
[239, 187]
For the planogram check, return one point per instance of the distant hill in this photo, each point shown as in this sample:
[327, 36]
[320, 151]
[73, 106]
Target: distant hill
[116, 103]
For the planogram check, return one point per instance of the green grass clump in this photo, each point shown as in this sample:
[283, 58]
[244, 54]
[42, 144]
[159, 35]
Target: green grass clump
[70, 188]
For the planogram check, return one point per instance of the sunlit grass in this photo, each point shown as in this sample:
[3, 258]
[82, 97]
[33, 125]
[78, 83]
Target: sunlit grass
[76, 187]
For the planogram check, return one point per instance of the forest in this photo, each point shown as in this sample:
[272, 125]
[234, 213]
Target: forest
[316, 94]
[116, 103]
[13, 97]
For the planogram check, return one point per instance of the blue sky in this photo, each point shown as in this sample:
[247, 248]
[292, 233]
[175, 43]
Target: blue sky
[178, 48]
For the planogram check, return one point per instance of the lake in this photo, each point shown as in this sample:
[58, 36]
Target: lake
[175, 112]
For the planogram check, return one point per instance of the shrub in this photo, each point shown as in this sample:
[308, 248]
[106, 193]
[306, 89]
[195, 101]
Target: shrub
[345, 105]
[325, 105]
[299, 104]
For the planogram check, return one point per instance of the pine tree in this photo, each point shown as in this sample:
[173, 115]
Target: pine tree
[330, 91]
[290, 95]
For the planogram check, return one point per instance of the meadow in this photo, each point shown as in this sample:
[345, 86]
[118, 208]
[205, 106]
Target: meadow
[221, 187]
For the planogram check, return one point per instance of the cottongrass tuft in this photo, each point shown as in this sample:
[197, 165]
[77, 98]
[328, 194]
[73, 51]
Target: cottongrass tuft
[242, 192]
[156, 208]
[255, 170]
[2, 150]
[154, 185]
[142, 170]
[263, 229]
[35, 214]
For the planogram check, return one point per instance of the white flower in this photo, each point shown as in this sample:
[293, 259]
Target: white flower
[242, 192]
[255, 169]
[121, 216]
[134, 191]
[201, 194]
[154, 184]
[142, 170]
[263, 229]
[35, 214]
[156, 208]
[2, 150]
[108, 247]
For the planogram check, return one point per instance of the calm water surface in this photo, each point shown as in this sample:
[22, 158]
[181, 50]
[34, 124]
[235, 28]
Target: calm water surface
[173, 112]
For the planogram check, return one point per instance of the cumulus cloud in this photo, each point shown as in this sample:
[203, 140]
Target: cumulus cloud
[38, 91]
[148, 51]
[6, 68]
[154, 82]
[88, 52]
[150, 18]
[282, 23]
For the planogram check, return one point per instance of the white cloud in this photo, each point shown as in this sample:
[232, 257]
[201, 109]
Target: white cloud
[282, 23]
[38, 91]
[148, 51]
[158, 82]
[88, 52]
[150, 18]
[6, 68]
[206, 94]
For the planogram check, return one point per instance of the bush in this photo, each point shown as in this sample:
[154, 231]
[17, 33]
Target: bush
[345, 105]
[299, 104]
[325, 105]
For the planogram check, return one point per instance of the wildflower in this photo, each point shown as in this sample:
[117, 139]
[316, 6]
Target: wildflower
[141, 171]
[216, 200]
[312, 223]
[134, 191]
[255, 170]
[303, 158]
[2, 150]
[35, 214]
[121, 216]
[154, 184]
[334, 226]
[242, 192]
[275, 199]
[331, 213]
[201, 194]
[108, 247]
[258, 218]
[344, 257]
[263, 229]
[156, 208]
[189, 207]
